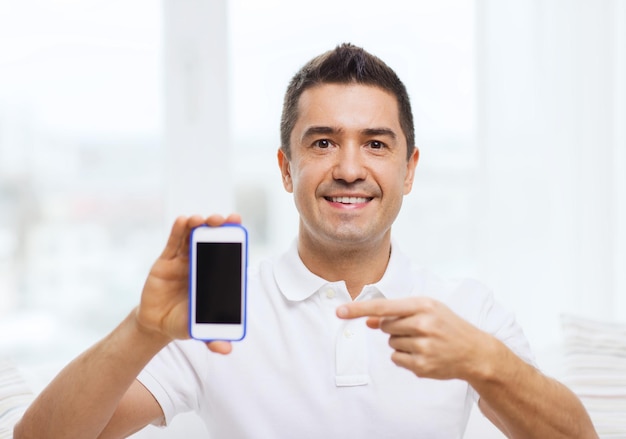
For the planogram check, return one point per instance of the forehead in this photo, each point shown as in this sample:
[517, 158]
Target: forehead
[347, 106]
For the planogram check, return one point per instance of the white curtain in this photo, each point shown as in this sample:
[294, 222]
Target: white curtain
[551, 115]
[196, 116]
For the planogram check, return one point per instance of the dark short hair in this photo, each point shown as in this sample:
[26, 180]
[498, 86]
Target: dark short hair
[345, 64]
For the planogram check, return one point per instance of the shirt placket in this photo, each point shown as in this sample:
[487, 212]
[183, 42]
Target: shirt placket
[351, 350]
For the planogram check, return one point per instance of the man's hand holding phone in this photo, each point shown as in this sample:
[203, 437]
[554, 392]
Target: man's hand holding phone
[164, 305]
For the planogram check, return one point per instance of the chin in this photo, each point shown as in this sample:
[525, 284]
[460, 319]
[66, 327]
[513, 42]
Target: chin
[351, 237]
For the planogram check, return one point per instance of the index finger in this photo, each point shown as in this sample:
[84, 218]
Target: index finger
[379, 308]
[218, 220]
[177, 241]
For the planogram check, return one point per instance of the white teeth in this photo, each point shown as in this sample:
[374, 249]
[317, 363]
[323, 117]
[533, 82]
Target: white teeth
[349, 200]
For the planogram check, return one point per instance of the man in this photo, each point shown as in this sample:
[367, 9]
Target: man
[309, 366]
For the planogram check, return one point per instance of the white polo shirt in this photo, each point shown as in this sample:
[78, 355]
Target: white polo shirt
[302, 372]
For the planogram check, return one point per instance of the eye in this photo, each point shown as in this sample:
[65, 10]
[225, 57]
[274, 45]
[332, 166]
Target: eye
[322, 143]
[376, 144]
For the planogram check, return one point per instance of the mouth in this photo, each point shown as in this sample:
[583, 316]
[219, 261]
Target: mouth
[349, 200]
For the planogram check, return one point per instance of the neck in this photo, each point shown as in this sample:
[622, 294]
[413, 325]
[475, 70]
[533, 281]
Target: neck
[356, 265]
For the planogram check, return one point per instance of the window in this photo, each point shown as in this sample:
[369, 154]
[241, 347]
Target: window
[80, 169]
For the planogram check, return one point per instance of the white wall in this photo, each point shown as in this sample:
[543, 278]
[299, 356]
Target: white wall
[197, 131]
[551, 134]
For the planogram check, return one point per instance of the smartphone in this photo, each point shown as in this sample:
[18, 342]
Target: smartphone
[218, 260]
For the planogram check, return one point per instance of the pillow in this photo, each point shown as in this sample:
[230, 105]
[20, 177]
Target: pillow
[595, 369]
[15, 396]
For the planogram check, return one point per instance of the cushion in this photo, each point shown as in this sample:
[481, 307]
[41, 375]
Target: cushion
[595, 369]
[15, 396]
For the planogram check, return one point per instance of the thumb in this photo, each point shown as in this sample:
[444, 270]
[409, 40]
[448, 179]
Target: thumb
[220, 347]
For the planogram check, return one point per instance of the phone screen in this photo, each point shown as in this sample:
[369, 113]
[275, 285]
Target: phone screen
[218, 282]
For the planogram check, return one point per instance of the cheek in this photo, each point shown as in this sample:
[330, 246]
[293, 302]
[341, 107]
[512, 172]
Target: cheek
[305, 178]
[394, 180]
[303, 193]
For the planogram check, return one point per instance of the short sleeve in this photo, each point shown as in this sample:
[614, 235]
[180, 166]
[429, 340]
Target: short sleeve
[175, 378]
[474, 302]
[501, 323]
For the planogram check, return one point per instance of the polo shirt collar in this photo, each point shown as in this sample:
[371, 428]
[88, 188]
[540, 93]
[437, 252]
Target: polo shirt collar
[297, 283]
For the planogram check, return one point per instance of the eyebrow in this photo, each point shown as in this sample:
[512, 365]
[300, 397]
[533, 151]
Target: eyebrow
[379, 132]
[319, 129]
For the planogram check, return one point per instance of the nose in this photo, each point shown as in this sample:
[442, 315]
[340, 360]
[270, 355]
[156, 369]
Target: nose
[349, 166]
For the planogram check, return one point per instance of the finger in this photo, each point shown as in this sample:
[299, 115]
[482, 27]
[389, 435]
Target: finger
[220, 347]
[379, 308]
[413, 325]
[393, 325]
[215, 220]
[234, 218]
[179, 235]
[218, 220]
[412, 362]
[405, 344]
[374, 322]
[193, 222]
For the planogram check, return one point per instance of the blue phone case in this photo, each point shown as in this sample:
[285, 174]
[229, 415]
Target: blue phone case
[245, 283]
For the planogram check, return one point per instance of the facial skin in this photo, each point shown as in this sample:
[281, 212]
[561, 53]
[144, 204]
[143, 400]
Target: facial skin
[348, 169]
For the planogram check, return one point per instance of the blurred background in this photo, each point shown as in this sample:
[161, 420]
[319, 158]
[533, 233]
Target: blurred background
[116, 116]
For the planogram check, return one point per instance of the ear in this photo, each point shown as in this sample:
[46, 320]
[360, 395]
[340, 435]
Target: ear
[285, 170]
[410, 171]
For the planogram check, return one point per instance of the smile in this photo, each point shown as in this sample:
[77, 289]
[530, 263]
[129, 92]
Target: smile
[348, 200]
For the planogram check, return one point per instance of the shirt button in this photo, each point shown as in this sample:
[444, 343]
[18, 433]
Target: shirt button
[330, 293]
[348, 334]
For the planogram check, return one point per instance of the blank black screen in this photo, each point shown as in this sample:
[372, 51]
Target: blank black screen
[218, 282]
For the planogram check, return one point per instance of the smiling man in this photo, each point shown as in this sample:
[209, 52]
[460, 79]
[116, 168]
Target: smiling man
[344, 339]
[346, 164]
